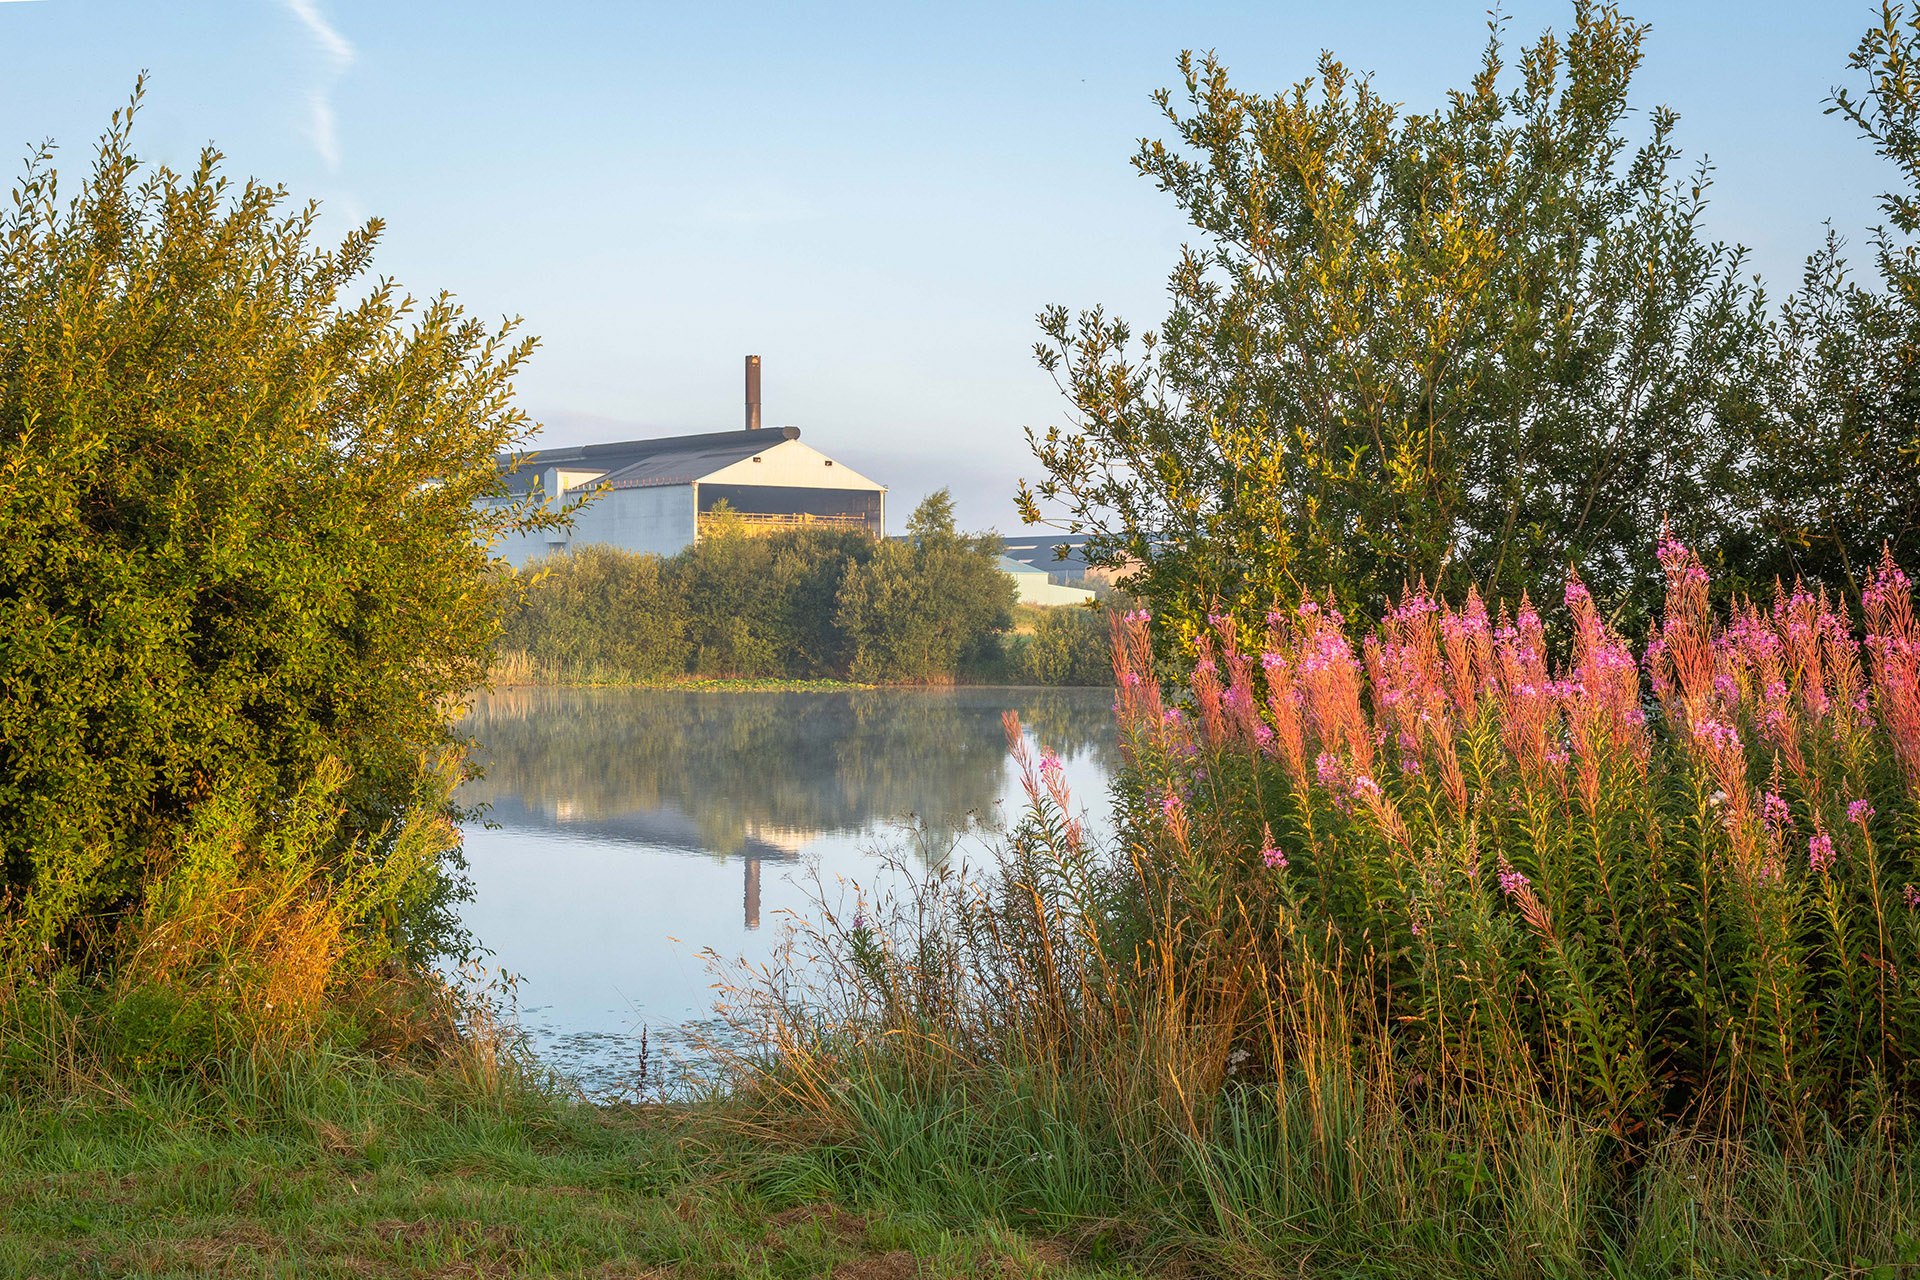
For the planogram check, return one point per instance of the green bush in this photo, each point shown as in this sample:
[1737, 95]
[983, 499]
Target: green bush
[924, 608]
[1070, 645]
[238, 533]
[800, 604]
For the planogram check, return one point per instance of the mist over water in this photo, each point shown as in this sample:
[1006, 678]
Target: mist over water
[628, 829]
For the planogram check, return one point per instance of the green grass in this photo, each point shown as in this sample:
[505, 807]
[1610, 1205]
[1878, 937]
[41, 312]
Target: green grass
[333, 1167]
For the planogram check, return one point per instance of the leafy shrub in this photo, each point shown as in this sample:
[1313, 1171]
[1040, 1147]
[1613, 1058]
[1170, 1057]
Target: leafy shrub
[1069, 646]
[600, 607]
[1482, 343]
[922, 608]
[800, 603]
[258, 931]
[243, 581]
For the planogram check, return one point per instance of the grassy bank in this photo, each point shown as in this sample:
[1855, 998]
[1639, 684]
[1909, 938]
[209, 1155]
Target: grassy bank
[519, 668]
[324, 1165]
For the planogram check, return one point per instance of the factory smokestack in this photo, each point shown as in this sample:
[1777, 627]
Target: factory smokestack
[753, 393]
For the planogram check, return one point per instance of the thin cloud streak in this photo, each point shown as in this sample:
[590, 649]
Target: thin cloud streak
[339, 56]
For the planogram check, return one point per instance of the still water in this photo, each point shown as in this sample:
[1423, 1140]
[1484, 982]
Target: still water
[629, 829]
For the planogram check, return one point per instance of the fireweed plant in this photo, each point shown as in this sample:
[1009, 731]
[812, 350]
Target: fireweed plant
[1419, 951]
[1685, 899]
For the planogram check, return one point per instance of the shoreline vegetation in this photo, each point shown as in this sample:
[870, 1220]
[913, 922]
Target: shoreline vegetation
[331, 1165]
[1344, 1003]
[516, 670]
[796, 605]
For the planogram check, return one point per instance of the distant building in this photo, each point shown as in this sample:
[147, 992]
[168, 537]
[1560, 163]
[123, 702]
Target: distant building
[1062, 557]
[1034, 588]
[660, 495]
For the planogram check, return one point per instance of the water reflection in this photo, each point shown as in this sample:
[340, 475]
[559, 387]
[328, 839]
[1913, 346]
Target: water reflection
[759, 776]
[617, 816]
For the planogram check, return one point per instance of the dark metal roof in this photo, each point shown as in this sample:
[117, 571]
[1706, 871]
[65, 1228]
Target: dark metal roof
[636, 464]
[1038, 551]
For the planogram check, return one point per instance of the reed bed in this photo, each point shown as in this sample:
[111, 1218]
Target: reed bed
[1427, 953]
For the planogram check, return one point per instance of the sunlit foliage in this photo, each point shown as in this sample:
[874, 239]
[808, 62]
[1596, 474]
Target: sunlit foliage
[239, 546]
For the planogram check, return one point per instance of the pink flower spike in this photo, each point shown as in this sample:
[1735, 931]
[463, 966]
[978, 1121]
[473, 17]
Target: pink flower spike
[1511, 881]
[1273, 858]
[1859, 811]
[1774, 811]
[1819, 851]
[1912, 895]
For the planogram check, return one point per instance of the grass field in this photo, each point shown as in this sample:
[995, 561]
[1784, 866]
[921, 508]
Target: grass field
[332, 1168]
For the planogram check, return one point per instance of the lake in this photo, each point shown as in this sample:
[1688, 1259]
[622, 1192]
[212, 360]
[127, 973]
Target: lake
[628, 829]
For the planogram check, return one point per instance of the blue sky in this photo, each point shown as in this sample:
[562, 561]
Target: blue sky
[876, 198]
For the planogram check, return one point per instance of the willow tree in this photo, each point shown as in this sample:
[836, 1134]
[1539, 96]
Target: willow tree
[1472, 345]
[242, 535]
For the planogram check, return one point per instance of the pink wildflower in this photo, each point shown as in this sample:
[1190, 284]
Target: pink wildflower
[1819, 851]
[1268, 853]
[1774, 811]
[1511, 881]
[1912, 896]
[1859, 811]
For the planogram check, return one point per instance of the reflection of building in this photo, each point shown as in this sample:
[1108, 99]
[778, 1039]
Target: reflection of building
[760, 776]
[663, 828]
[662, 495]
[1035, 588]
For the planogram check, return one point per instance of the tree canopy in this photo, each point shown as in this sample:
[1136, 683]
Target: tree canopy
[1835, 471]
[1478, 345]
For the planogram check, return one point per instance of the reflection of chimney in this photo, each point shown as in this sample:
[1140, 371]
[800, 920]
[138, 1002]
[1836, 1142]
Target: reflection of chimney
[753, 393]
[750, 897]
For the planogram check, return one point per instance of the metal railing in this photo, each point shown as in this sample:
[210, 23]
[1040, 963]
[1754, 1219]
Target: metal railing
[773, 522]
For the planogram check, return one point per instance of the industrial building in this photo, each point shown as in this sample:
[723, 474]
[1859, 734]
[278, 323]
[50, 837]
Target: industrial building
[660, 495]
[1032, 585]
